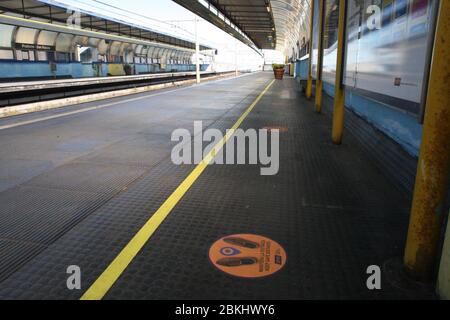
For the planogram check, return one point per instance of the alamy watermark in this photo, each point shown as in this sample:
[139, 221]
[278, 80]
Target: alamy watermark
[374, 280]
[73, 281]
[236, 147]
[374, 21]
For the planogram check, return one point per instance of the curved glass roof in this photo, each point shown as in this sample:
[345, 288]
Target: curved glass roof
[292, 23]
[56, 12]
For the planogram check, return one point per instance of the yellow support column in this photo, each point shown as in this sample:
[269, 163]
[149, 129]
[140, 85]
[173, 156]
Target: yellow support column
[319, 84]
[434, 160]
[309, 83]
[339, 96]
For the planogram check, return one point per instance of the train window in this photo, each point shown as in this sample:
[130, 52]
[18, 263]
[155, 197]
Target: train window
[401, 8]
[6, 55]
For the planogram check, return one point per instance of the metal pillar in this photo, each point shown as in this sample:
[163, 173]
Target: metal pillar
[339, 96]
[197, 52]
[309, 83]
[319, 83]
[432, 179]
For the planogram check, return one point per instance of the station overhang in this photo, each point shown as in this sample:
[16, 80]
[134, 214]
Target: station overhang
[250, 22]
[54, 12]
[60, 29]
[267, 24]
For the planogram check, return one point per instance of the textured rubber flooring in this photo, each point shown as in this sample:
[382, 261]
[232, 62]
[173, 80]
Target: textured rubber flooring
[330, 208]
[96, 157]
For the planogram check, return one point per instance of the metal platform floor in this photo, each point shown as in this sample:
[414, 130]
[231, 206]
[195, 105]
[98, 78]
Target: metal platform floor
[76, 188]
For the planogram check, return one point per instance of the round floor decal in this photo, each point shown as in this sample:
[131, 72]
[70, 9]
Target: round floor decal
[248, 255]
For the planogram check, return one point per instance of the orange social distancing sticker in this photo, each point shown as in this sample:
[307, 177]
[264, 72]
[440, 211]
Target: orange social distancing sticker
[248, 255]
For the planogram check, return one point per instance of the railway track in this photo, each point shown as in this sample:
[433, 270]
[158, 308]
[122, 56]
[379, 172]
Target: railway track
[18, 93]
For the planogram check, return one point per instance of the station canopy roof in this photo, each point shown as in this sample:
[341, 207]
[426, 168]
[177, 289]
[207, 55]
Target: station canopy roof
[55, 12]
[265, 24]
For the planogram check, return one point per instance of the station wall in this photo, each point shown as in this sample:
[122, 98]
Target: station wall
[36, 69]
[385, 66]
[402, 127]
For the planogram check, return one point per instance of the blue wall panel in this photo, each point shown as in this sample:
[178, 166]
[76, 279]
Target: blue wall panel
[142, 68]
[10, 69]
[398, 125]
[25, 69]
[20, 69]
[301, 69]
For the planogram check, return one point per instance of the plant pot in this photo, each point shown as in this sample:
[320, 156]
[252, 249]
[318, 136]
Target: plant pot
[279, 74]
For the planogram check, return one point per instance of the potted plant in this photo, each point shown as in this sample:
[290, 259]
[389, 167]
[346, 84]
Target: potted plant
[278, 70]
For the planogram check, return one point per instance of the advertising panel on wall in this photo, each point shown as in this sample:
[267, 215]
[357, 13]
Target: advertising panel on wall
[388, 50]
[315, 40]
[330, 38]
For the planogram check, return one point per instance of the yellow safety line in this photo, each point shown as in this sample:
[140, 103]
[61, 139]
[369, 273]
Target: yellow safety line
[112, 273]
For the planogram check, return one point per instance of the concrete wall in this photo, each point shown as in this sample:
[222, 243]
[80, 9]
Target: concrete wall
[443, 286]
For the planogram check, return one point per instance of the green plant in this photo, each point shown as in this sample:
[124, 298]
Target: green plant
[276, 66]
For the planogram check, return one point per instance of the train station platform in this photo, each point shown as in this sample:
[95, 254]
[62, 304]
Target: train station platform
[77, 186]
[20, 86]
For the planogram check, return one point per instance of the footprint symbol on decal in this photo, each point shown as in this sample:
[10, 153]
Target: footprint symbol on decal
[229, 251]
